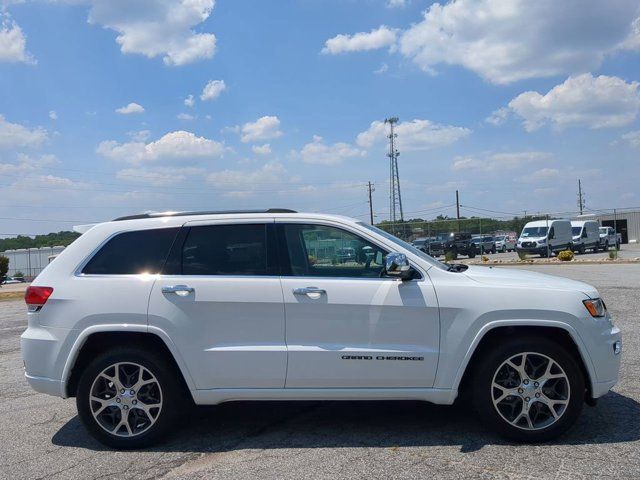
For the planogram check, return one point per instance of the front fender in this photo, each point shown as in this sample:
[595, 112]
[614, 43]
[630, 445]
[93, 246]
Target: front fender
[464, 362]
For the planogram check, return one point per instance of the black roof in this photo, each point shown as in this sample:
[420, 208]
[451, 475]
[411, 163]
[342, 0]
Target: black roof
[212, 212]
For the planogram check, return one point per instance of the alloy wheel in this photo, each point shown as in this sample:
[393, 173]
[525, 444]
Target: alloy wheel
[530, 391]
[125, 399]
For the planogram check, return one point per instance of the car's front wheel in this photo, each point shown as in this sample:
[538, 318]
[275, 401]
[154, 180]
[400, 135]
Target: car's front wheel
[529, 390]
[128, 398]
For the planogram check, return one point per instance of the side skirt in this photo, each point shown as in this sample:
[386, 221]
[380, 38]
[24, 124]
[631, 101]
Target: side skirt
[219, 395]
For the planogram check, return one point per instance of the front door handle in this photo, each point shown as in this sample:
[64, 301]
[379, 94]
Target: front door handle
[181, 290]
[308, 290]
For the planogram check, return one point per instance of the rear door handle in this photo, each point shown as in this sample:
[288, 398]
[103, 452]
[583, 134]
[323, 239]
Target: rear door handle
[182, 290]
[308, 290]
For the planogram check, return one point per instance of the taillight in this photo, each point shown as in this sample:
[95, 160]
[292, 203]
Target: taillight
[37, 296]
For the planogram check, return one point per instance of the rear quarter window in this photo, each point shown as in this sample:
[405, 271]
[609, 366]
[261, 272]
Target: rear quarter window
[141, 251]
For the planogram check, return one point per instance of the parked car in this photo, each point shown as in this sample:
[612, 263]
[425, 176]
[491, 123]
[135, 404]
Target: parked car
[142, 316]
[545, 237]
[585, 235]
[484, 244]
[435, 248]
[12, 280]
[505, 243]
[609, 237]
[459, 243]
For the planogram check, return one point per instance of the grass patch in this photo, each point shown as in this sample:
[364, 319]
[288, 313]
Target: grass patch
[6, 296]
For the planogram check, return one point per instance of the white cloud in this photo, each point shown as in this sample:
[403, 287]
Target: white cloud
[14, 135]
[382, 37]
[413, 135]
[159, 176]
[541, 175]
[382, 69]
[174, 146]
[26, 163]
[594, 102]
[264, 128]
[157, 27]
[498, 161]
[632, 138]
[212, 90]
[319, 153]
[396, 3]
[185, 116]
[53, 115]
[261, 149]
[498, 117]
[241, 183]
[139, 136]
[506, 41]
[13, 43]
[189, 101]
[132, 108]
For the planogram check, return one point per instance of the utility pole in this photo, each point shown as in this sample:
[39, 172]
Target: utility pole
[581, 203]
[395, 199]
[458, 209]
[371, 190]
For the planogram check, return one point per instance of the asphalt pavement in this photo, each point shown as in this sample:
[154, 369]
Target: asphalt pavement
[41, 436]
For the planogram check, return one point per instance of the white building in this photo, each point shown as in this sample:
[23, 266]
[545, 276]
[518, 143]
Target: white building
[30, 261]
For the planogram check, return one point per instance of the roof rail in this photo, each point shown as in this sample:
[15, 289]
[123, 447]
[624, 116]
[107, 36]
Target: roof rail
[211, 212]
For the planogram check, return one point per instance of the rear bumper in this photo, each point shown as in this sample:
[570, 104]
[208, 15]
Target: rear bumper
[50, 386]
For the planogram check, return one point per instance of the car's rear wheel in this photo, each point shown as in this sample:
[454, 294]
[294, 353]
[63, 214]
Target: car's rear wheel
[529, 390]
[128, 398]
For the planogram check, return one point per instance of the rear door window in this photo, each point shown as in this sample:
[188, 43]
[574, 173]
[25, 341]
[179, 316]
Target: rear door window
[141, 251]
[233, 249]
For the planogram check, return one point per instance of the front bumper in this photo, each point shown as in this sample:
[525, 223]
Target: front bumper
[605, 360]
[534, 250]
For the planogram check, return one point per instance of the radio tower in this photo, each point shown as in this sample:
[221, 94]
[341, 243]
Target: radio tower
[395, 199]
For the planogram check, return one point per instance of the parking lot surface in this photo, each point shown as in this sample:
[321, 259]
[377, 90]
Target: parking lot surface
[41, 436]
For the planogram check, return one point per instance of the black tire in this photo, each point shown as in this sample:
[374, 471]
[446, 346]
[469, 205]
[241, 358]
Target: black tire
[504, 249]
[172, 396]
[492, 358]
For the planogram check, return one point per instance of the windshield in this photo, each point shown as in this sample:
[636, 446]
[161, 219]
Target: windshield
[499, 239]
[603, 230]
[575, 231]
[534, 232]
[405, 245]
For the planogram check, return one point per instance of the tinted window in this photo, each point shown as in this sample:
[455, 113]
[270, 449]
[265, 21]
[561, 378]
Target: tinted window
[321, 251]
[226, 250]
[143, 251]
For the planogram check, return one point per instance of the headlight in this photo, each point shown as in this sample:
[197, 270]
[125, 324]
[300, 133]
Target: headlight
[595, 307]
[543, 241]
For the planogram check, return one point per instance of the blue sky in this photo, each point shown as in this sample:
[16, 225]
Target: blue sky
[105, 108]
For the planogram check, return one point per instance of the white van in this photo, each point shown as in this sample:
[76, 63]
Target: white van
[586, 235]
[545, 237]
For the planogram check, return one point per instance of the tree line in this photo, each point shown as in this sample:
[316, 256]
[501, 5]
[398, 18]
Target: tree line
[54, 239]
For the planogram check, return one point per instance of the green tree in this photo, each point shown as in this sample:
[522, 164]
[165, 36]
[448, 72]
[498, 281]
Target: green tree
[4, 267]
[49, 240]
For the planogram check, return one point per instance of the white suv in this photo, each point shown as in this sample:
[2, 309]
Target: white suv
[145, 314]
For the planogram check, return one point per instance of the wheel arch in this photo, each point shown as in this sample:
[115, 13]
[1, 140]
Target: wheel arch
[97, 339]
[494, 333]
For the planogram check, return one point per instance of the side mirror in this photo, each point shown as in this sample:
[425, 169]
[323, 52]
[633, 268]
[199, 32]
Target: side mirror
[396, 265]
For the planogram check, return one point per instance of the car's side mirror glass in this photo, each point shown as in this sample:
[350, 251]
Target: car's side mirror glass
[396, 265]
